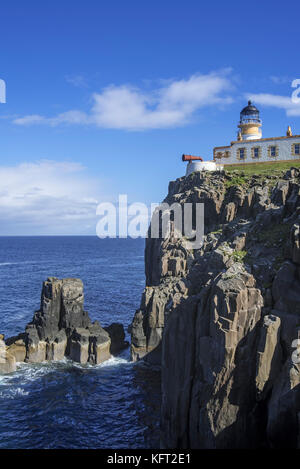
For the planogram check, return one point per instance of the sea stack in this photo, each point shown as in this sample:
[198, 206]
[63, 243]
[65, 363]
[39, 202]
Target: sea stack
[61, 328]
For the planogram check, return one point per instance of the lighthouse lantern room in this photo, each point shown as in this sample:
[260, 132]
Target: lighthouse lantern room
[250, 123]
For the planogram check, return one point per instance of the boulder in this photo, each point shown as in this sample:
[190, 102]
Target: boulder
[16, 346]
[90, 345]
[117, 337]
[7, 360]
[100, 344]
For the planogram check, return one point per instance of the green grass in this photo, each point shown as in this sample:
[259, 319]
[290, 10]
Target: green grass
[261, 168]
[238, 256]
[236, 181]
[220, 230]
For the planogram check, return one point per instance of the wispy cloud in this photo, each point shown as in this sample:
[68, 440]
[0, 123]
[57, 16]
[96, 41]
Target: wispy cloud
[281, 102]
[130, 108]
[69, 117]
[47, 197]
[77, 80]
[280, 80]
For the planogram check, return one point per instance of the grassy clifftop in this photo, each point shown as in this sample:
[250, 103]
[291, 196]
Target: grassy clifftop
[263, 169]
[265, 173]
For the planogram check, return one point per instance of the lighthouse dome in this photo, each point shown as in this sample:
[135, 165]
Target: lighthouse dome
[249, 110]
[250, 114]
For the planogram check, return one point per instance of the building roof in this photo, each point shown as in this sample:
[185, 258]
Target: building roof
[257, 140]
[250, 109]
[248, 142]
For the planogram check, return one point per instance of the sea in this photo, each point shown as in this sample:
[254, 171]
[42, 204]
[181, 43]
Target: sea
[64, 404]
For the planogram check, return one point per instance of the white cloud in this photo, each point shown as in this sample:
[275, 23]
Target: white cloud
[77, 80]
[47, 197]
[129, 108]
[69, 117]
[277, 101]
[280, 80]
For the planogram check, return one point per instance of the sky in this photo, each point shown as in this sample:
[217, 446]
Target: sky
[103, 97]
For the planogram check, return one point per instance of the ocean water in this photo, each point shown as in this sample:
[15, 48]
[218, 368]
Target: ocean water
[64, 404]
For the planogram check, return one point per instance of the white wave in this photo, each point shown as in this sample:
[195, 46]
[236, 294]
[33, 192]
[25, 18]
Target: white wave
[25, 372]
[16, 263]
[29, 372]
[115, 361]
[6, 379]
[11, 393]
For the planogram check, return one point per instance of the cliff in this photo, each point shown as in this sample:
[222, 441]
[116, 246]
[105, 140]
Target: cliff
[222, 319]
[61, 328]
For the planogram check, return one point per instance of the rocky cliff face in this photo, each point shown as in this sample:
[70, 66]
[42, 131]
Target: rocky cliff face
[61, 327]
[223, 320]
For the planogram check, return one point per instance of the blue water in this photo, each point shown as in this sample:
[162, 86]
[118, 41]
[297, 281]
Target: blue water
[63, 404]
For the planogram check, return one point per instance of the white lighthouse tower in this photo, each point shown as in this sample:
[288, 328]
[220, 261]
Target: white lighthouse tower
[250, 123]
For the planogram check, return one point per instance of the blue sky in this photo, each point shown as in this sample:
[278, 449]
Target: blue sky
[104, 97]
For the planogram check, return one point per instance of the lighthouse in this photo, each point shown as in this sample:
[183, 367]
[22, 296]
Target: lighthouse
[250, 123]
[250, 147]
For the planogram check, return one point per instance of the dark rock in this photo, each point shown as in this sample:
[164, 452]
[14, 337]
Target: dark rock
[16, 346]
[56, 350]
[295, 239]
[117, 336]
[223, 320]
[61, 307]
[61, 327]
[79, 350]
[7, 360]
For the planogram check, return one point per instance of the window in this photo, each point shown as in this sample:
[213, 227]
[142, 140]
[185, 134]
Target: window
[242, 153]
[256, 153]
[273, 151]
[296, 149]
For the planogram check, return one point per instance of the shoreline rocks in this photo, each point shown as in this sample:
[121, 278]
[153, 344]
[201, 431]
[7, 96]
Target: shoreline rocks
[62, 328]
[7, 360]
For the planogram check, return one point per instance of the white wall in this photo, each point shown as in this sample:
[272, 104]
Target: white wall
[284, 150]
[202, 166]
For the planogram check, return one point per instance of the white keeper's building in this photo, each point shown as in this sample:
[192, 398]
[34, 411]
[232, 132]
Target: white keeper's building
[250, 147]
